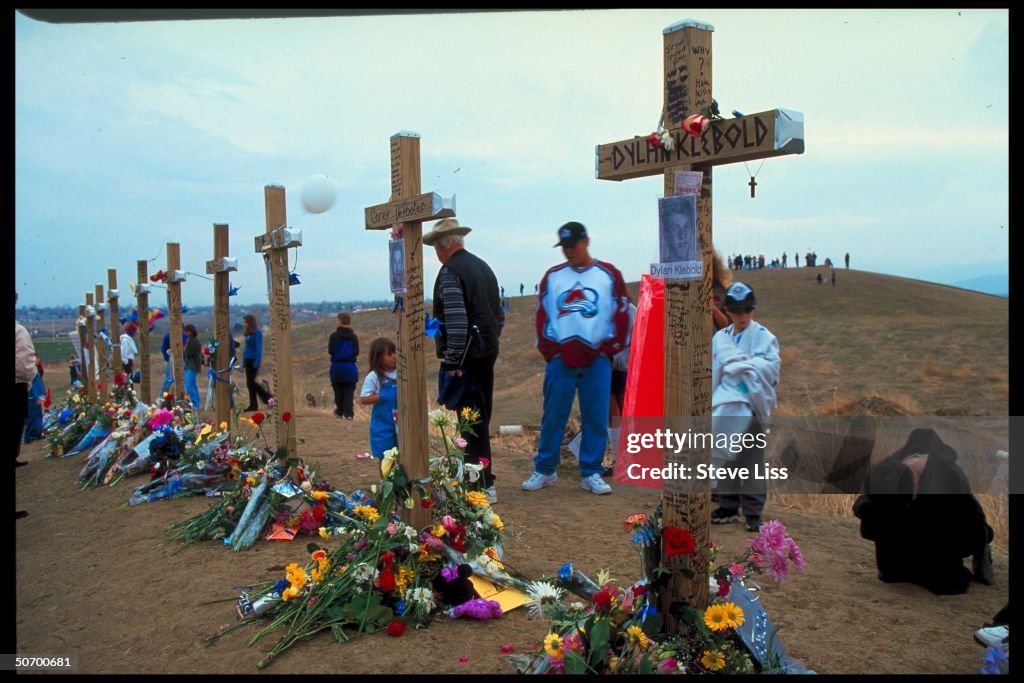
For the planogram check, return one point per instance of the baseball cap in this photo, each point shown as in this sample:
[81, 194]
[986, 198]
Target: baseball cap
[570, 233]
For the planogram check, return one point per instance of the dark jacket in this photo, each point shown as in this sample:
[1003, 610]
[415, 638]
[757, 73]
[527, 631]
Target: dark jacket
[923, 538]
[193, 355]
[466, 301]
[343, 348]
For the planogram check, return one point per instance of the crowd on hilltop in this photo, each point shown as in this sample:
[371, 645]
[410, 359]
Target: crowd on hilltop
[752, 262]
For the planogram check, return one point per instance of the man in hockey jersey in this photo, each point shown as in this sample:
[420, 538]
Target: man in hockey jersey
[582, 321]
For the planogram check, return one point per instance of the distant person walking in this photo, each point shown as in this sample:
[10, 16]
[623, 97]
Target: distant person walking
[847, 259]
[796, 258]
[193, 357]
[833, 277]
[521, 287]
[252, 356]
[343, 349]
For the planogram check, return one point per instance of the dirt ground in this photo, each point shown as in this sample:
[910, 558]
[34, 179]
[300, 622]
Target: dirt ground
[91, 581]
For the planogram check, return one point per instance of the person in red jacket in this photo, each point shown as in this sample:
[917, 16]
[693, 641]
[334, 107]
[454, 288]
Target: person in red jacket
[582, 321]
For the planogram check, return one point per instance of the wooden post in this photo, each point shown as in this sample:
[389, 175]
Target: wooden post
[102, 352]
[280, 314]
[142, 295]
[115, 321]
[688, 330]
[410, 208]
[221, 268]
[88, 362]
[174, 316]
[90, 334]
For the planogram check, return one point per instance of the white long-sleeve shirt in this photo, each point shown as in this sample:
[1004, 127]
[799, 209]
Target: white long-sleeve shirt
[24, 356]
[128, 348]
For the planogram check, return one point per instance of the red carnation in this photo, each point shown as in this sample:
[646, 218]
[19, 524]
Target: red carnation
[639, 590]
[678, 541]
[723, 588]
[603, 598]
[654, 140]
[319, 513]
[386, 581]
[396, 628]
[258, 418]
[427, 503]
[286, 417]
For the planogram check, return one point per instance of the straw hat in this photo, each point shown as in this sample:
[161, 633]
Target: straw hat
[443, 228]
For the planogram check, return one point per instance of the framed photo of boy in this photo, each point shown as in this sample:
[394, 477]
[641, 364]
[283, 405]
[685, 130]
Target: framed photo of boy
[396, 257]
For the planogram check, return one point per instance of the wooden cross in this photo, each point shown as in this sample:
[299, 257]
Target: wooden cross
[753, 184]
[90, 335]
[688, 330]
[142, 297]
[88, 361]
[174, 280]
[101, 349]
[221, 268]
[115, 321]
[410, 208]
[274, 244]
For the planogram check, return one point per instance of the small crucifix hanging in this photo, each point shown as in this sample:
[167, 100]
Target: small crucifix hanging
[753, 182]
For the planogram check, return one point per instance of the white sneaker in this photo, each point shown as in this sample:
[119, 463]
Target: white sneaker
[539, 481]
[595, 484]
[492, 494]
[992, 635]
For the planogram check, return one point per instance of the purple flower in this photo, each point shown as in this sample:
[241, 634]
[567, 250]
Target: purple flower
[773, 535]
[450, 573]
[778, 568]
[795, 555]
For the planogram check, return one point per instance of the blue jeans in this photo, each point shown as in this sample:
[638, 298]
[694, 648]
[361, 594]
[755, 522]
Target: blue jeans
[168, 378]
[192, 387]
[594, 384]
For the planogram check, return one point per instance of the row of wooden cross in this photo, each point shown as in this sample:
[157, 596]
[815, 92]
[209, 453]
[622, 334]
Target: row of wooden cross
[687, 89]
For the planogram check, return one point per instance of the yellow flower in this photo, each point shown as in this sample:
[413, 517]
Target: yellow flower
[613, 664]
[716, 619]
[425, 555]
[497, 523]
[713, 661]
[367, 512]
[250, 480]
[324, 532]
[403, 577]
[553, 645]
[733, 614]
[319, 495]
[438, 531]
[478, 499]
[289, 593]
[223, 426]
[470, 415]
[636, 636]
[203, 432]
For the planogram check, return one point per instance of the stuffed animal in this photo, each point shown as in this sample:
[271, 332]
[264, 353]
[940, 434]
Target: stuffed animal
[477, 608]
[454, 586]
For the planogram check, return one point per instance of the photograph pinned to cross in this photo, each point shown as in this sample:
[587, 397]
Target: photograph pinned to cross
[677, 239]
[396, 257]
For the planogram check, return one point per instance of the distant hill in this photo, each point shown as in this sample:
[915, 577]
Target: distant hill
[998, 284]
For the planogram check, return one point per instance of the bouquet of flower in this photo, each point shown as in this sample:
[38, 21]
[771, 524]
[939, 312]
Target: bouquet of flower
[620, 630]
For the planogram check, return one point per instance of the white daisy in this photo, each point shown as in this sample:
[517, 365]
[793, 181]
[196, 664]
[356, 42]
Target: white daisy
[423, 597]
[543, 597]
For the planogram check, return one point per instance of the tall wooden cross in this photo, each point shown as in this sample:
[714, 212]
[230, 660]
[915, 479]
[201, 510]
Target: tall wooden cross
[410, 209]
[114, 296]
[688, 330]
[101, 349]
[177, 350]
[142, 297]
[221, 268]
[90, 335]
[274, 245]
[88, 359]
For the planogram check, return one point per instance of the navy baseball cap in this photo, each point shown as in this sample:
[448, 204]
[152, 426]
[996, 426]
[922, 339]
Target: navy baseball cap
[570, 233]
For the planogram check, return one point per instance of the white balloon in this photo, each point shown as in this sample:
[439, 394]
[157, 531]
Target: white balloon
[318, 193]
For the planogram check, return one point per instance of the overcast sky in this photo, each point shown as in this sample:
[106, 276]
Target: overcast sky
[133, 134]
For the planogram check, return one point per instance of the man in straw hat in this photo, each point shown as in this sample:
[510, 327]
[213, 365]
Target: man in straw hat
[582, 321]
[466, 302]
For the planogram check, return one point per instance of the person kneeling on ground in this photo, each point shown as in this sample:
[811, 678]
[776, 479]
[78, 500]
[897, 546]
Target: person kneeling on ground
[919, 510]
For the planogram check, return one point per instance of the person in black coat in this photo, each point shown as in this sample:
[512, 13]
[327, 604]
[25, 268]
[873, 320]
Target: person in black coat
[919, 510]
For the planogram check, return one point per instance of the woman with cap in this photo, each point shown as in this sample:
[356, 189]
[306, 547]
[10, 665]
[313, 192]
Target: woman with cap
[745, 366]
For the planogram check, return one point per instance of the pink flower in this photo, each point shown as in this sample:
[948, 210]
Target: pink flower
[667, 666]
[272, 402]
[773, 535]
[485, 461]
[796, 555]
[392, 529]
[161, 418]
[534, 648]
[448, 522]
[464, 658]
[778, 569]
[460, 442]
[508, 648]
[736, 569]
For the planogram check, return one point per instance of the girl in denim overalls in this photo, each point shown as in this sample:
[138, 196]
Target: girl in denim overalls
[380, 389]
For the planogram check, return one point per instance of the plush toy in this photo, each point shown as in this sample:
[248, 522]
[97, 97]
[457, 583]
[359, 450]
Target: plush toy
[477, 608]
[454, 586]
